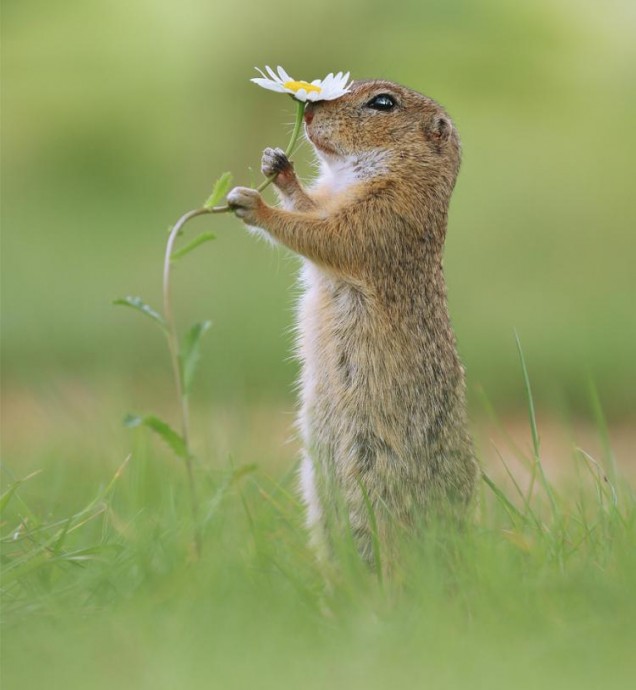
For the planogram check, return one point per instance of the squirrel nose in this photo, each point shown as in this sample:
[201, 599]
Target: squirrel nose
[309, 113]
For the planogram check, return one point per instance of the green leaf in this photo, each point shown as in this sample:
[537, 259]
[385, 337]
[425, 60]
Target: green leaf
[221, 188]
[198, 240]
[161, 428]
[138, 304]
[191, 352]
[131, 421]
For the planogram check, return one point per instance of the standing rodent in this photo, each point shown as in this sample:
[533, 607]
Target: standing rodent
[383, 415]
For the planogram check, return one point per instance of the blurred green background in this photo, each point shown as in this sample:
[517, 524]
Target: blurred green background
[118, 116]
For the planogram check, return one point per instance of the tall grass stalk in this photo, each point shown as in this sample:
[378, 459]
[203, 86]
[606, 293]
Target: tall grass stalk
[537, 468]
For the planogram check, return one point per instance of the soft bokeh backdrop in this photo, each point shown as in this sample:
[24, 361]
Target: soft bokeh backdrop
[119, 115]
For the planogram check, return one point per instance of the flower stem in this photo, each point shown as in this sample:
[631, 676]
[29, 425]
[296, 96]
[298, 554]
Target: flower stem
[300, 109]
[171, 327]
[173, 345]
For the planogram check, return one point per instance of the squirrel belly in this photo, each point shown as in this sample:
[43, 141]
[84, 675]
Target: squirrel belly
[382, 410]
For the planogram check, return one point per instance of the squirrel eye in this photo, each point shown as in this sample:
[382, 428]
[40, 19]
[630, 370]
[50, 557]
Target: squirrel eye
[382, 102]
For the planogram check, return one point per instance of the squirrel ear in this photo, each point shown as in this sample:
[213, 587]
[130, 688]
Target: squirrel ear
[439, 128]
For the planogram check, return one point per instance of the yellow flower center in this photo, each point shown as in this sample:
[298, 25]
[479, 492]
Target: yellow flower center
[296, 86]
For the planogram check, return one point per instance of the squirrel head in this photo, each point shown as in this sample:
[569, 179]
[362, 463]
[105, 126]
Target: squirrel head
[385, 121]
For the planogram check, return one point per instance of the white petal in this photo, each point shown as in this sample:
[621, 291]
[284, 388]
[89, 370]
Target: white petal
[283, 75]
[333, 93]
[301, 95]
[260, 71]
[269, 84]
[272, 74]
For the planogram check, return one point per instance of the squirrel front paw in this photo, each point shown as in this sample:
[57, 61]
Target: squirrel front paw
[275, 163]
[245, 203]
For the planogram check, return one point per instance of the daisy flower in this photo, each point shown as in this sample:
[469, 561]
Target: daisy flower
[327, 89]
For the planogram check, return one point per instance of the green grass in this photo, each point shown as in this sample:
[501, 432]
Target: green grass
[101, 586]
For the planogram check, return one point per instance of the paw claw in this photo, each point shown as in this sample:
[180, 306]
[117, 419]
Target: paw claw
[274, 162]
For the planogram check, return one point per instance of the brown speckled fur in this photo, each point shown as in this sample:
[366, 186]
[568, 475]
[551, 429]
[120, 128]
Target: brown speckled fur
[382, 387]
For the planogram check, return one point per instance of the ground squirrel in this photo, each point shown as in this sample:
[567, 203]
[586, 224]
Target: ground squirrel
[382, 414]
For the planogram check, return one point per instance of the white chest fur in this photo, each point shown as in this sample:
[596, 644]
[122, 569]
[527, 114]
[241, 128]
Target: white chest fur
[339, 174]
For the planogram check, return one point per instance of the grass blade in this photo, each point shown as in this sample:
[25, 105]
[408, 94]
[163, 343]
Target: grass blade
[511, 509]
[536, 442]
[7, 495]
[601, 423]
